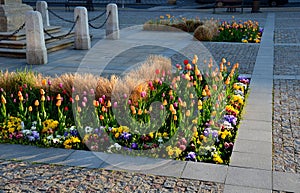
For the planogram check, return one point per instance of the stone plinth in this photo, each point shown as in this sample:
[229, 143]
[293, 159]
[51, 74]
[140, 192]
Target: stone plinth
[12, 14]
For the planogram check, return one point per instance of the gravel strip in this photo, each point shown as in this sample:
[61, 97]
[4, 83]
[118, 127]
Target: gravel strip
[286, 127]
[286, 60]
[28, 177]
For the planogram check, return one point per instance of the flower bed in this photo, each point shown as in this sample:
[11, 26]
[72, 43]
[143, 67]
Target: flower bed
[199, 111]
[209, 30]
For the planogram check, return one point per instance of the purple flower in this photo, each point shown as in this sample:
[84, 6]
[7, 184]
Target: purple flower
[134, 146]
[231, 119]
[215, 134]
[261, 30]
[205, 133]
[30, 138]
[126, 135]
[191, 156]
[60, 85]
[35, 134]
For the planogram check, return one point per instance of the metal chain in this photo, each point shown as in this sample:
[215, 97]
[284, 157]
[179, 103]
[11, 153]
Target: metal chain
[14, 33]
[92, 26]
[100, 15]
[97, 17]
[62, 36]
[66, 20]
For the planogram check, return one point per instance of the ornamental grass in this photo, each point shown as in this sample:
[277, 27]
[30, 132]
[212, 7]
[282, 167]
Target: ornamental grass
[191, 114]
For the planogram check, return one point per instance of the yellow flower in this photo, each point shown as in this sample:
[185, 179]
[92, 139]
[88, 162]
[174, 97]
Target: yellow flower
[165, 134]
[76, 98]
[151, 135]
[42, 98]
[117, 135]
[30, 108]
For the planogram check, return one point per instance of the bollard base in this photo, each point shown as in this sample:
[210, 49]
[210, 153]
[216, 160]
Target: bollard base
[36, 57]
[82, 43]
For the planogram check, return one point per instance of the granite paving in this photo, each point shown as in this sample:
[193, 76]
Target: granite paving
[29, 177]
[286, 127]
[286, 60]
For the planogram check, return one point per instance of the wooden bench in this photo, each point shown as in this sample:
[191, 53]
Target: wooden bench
[86, 3]
[231, 5]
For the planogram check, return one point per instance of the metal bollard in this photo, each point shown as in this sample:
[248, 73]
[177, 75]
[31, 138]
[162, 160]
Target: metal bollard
[42, 7]
[82, 34]
[112, 24]
[36, 51]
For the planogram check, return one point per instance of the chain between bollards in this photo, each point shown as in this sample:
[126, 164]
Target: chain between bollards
[14, 33]
[62, 36]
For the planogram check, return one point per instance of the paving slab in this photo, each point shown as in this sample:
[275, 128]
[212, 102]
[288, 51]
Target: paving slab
[251, 160]
[86, 159]
[255, 178]
[256, 134]
[205, 171]
[284, 181]
[33, 154]
[247, 124]
[259, 116]
[242, 189]
[249, 146]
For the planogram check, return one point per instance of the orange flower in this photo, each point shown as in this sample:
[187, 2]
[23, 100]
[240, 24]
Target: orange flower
[227, 81]
[101, 117]
[108, 104]
[96, 103]
[140, 112]
[44, 82]
[19, 93]
[58, 103]
[36, 103]
[58, 97]
[175, 117]
[42, 92]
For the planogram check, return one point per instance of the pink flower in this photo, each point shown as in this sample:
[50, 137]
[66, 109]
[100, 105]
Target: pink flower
[115, 104]
[60, 85]
[182, 147]
[143, 94]
[84, 99]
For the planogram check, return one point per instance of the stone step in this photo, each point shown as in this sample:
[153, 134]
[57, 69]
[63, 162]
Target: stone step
[21, 35]
[14, 53]
[21, 44]
[51, 47]
[60, 44]
[13, 44]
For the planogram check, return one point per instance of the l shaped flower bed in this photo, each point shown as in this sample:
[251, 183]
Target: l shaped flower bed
[209, 29]
[192, 114]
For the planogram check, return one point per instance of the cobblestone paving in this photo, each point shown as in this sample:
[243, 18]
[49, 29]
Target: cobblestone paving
[286, 60]
[286, 126]
[287, 36]
[244, 54]
[25, 177]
